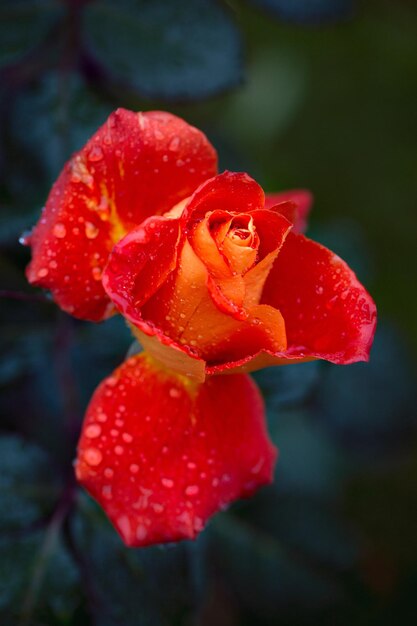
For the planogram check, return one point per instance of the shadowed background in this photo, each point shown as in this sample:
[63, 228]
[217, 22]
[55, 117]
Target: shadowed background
[319, 94]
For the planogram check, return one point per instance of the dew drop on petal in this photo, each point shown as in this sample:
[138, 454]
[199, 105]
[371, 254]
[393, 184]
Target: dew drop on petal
[167, 482]
[119, 450]
[97, 273]
[95, 154]
[192, 490]
[108, 472]
[107, 492]
[134, 468]
[93, 456]
[174, 144]
[42, 272]
[141, 532]
[59, 230]
[92, 431]
[123, 524]
[91, 230]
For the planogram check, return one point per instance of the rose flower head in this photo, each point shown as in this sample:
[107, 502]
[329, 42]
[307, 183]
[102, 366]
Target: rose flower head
[213, 278]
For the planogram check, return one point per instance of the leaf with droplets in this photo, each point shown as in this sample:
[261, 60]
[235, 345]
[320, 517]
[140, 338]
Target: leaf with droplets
[169, 49]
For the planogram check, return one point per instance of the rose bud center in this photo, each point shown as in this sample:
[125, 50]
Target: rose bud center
[241, 244]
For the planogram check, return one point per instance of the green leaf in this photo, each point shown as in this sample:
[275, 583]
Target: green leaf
[146, 586]
[53, 118]
[28, 487]
[24, 24]
[289, 385]
[38, 579]
[263, 573]
[171, 49]
[308, 11]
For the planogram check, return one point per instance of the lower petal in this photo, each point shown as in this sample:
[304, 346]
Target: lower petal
[161, 454]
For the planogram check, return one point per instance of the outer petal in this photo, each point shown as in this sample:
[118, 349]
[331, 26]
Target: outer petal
[302, 198]
[136, 165]
[161, 455]
[328, 313]
[141, 262]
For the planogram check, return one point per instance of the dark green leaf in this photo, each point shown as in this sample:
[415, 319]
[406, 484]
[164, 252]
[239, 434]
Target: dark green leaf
[263, 574]
[53, 118]
[289, 385]
[37, 575]
[369, 406]
[172, 49]
[308, 11]
[146, 586]
[24, 24]
[28, 485]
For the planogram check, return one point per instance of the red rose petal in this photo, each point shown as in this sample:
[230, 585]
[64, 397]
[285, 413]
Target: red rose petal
[140, 263]
[162, 455]
[328, 313]
[136, 165]
[303, 200]
[229, 191]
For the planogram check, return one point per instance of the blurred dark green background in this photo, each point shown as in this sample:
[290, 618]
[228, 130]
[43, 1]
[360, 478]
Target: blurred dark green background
[319, 94]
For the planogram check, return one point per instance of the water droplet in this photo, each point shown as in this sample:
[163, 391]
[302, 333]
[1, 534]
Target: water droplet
[97, 273]
[108, 472]
[101, 417]
[95, 154]
[25, 239]
[124, 526]
[167, 482]
[191, 465]
[127, 437]
[59, 230]
[319, 290]
[93, 431]
[192, 490]
[141, 532]
[174, 144]
[93, 456]
[106, 492]
[119, 450]
[174, 393]
[134, 468]
[42, 272]
[158, 508]
[91, 230]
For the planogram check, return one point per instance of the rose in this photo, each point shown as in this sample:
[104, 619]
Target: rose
[212, 279]
[222, 284]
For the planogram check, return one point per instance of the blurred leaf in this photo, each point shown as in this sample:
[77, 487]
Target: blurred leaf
[53, 118]
[146, 586]
[308, 11]
[309, 463]
[281, 74]
[28, 485]
[289, 385]
[171, 49]
[370, 406]
[36, 572]
[308, 527]
[263, 574]
[24, 24]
